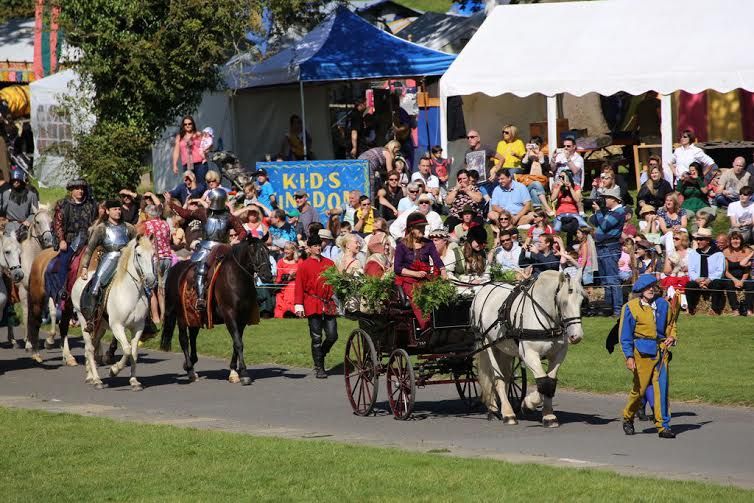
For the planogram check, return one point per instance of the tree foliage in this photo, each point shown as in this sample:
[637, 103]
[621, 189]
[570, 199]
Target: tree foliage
[10, 9]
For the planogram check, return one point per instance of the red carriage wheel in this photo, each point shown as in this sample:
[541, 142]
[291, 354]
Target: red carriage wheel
[401, 384]
[517, 387]
[361, 370]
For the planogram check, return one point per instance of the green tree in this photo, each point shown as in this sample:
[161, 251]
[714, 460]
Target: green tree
[16, 8]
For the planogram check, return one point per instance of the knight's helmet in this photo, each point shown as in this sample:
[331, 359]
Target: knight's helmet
[217, 199]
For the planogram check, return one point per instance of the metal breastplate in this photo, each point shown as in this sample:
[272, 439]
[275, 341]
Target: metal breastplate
[217, 227]
[116, 237]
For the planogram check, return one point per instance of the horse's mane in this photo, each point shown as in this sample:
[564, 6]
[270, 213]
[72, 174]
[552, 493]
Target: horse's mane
[126, 254]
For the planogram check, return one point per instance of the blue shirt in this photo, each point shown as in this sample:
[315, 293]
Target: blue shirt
[265, 191]
[181, 192]
[286, 233]
[608, 225]
[512, 199]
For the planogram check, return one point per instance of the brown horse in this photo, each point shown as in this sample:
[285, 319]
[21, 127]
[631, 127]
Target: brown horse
[232, 301]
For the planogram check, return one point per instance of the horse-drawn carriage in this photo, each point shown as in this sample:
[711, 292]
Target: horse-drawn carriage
[390, 344]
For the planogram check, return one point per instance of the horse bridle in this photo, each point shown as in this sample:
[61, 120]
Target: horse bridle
[9, 268]
[139, 270]
[39, 237]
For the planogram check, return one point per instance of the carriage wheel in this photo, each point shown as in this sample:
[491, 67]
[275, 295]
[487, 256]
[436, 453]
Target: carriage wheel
[401, 384]
[468, 387]
[360, 366]
[517, 386]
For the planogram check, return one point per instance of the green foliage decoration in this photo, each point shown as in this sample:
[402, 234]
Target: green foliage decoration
[375, 292]
[498, 275]
[434, 294]
[345, 286]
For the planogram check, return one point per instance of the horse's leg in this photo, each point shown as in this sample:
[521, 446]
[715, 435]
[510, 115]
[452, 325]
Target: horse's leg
[92, 376]
[65, 320]
[135, 384]
[532, 360]
[549, 383]
[237, 333]
[486, 380]
[500, 364]
[233, 377]
[193, 332]
[188, 366]
[120, 334]
[55, 329]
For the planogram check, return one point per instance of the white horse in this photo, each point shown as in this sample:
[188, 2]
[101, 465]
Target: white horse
[550, 311]
[39, 237]
[10, 264]
[127, 306]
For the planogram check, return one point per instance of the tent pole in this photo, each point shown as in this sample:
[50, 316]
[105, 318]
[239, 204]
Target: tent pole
[666, 131]
[552, 123]
[303, 115]
[443, 119]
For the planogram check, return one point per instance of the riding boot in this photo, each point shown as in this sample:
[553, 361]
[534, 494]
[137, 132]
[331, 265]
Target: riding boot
[319, 361]
[150, 329]
[88, 308]
[327, 346]
[201, 289]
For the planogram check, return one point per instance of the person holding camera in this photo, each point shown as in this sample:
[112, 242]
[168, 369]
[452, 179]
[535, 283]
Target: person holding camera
[566, 197]
[568, 159]
[461, 197]
[692, 187]
[608, 219]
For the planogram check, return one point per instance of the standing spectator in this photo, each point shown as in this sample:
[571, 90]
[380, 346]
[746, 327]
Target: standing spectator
[189, 149]
[706, 269]
[287, 267]
[380, 160]
[738, 275]
[568, 158]
[741, 214]
[424, 174]
[389, 197]
[292, 148]
[694, 191]
[130, 206]
[609, 222]
[265, 190]
[462, 196]
[314, 299]
[357, 128]
[400, 128]
[654, 190]
[508, 252]
[511, 148]
[399, 167]
[480, 157]
[609, 179]
[440, 165]
[159, 229]
[512, 196]
[687, 154]
[587, 259]
[731, 183]
[308, 213]
[365, 216]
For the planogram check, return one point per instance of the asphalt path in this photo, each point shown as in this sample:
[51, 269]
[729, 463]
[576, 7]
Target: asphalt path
[714, 443]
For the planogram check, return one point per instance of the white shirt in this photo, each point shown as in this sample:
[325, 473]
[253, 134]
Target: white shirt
[744, 216]
[406, 205]
[398, 228]
[431, 182]
[683, 156]
[561, 164]
[508, 259]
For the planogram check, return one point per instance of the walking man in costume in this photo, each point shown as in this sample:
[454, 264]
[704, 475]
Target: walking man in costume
[112, 235]
[72, 217]
[314, 299]
[217, 221]
[647, 332]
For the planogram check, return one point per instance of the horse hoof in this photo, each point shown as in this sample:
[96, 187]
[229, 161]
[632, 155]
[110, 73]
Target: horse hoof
[550, 423]
[28, 346]
[137, 387]
[234, 379]
[89, 380]
[114, 371]
[99, 385]
[71, 361]
[245, 381]
[510, 420]
[494, 415]
[36, 357]
[193, 377]
[49, 345]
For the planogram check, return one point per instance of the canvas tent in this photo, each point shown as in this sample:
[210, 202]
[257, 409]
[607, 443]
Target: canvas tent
[609, 46]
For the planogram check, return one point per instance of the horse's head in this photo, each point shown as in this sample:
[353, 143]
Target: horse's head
[568, 297]
[10, 257]
[258, 257]
[144, 260]
[41, 228]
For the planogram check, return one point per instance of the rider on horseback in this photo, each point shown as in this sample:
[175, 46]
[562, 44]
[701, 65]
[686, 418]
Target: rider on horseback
[18, 204]
[112, 235]
[217, 221]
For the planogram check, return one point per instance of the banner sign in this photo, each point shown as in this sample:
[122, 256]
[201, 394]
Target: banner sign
[326, 182]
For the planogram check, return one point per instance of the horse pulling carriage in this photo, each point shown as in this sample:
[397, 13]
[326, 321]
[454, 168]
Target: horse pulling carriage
[389, 344]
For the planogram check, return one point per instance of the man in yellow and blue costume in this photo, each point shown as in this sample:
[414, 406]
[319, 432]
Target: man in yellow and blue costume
[647, 331]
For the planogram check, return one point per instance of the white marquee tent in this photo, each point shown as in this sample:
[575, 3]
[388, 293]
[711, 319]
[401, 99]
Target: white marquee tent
[605, 47]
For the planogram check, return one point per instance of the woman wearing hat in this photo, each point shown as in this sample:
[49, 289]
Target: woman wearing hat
[416, 260]
[471, 258]
[649, 224]
[647, 332]
[379, 255]
[445, 248]
[467, 215]
[253, 221]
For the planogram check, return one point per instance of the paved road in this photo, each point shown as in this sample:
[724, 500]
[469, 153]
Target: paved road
[714, 443]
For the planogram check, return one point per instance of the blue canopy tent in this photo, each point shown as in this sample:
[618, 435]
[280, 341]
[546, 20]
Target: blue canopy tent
[342, 47]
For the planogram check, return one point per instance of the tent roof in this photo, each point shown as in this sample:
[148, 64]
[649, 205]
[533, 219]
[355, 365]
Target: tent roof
[435, 30]
[608, 46]
[342, 47]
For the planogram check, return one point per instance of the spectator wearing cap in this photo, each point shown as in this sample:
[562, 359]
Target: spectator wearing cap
[329, 248]
[315, 300]
[265, 190]
[365, 216]
[463, 196]
[189, 189]
[308, 212]
[608, 223]
[507, 254]
[706, 270]
[398, 228]
[467, 215]
[512, 196]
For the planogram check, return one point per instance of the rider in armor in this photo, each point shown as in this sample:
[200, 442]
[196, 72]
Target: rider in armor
[216, 221]
[72, 218]
[18, 204]
[112, 235]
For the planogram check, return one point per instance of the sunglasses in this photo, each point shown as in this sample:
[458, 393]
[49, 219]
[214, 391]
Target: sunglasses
[508, 240]
[503, 219]
[298, 197]
[471, 136]
[413, 191]
[423, 202]
[506, 132]
[568, 146]
[392, 179]
[187, 124]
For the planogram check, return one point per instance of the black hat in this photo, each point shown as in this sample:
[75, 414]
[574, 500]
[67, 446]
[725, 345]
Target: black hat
[477, 233]
[314, 240]
[467, 209]
[415, 219]
[112, 203]
[260, 171]
[75, 183]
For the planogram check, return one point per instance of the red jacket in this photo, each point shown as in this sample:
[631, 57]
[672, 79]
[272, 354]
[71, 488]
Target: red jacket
[311, 290]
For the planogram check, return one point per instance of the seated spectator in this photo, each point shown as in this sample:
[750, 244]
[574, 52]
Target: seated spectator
[379, 255]
[467, 221]
[706, 269]
[508, 252]
[189, 189]
[540, 256]
[587, 258]
[540, 225]
[329, 248]
[676, 267]
[535, 162]
[722, 241]
[505, 223]
[627, 262]
[408, 203]
[647, 261]
[702, 220]
[345, 228]
[253, 221]
[281, 232]
[654, 190]
[464, 196]
[512, 196]
[434, 221]
[380, 228]
[738, 275]
[649, 224]
[424, 174]
[347, 212]
[389, 197]
[511, 149]
[440, 165]
[350, 260]
[213, 182]
[731, 183]
[694, 191]
[365, 216]
[536, 175]
[400, 168]
[287, 266]
[672, 217]
[333, 225]
[445, 248]
[741, 214]
[566, 197]
[471, 258]
[484, 187]
[249, 197]
[568, 159]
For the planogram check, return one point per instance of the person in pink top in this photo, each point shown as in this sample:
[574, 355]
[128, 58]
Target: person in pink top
[188, 148]
[287, 268]
[159, 230]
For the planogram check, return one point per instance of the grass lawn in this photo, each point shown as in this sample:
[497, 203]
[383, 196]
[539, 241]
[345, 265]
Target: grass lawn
[711, 364]
[93, 459]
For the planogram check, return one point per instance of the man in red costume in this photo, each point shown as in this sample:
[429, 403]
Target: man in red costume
[314, 299]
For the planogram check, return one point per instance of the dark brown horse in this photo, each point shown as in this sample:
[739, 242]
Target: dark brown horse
[233, 302]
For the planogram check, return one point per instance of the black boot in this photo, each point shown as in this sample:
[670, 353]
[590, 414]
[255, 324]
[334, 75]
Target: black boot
[150, 329]
[628, 427]
[201, 290]
[666, 433]
[319, 362]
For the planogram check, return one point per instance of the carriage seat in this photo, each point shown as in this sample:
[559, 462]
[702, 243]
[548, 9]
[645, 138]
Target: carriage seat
[399, 298]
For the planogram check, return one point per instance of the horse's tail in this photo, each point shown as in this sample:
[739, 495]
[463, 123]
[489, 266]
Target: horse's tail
[172, 282]
[168, 326]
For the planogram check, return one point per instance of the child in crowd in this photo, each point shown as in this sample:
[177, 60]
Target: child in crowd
[206, 141]
[627, 261]
[399, 166]
[440, 166]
